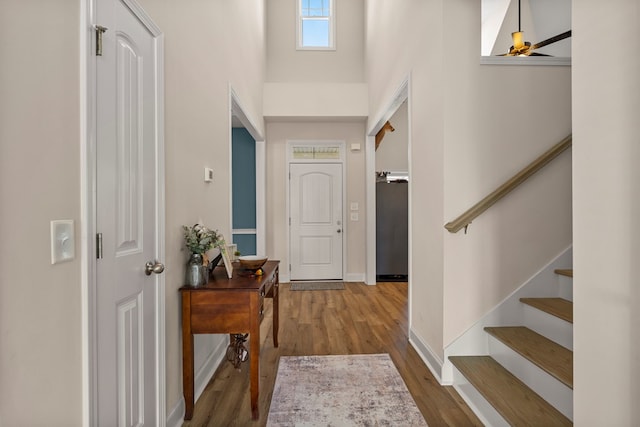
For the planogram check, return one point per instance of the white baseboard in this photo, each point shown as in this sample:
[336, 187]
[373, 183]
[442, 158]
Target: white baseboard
[427, 355]
[349, 277]
[202, 378]
[354, 277]
[176, 416]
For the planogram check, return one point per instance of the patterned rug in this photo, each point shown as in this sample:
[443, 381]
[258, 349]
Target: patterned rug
[354, 390]
[316, 286]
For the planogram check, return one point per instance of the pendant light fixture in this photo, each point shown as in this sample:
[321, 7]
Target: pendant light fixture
[524, 48]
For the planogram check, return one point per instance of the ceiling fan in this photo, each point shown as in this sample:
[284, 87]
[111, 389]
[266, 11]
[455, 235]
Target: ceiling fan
[525, 48]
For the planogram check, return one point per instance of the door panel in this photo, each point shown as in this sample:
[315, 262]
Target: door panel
[316, 221]
[126, 204]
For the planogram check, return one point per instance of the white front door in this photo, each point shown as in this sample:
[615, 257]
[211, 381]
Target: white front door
[127, 206]
[316, 221]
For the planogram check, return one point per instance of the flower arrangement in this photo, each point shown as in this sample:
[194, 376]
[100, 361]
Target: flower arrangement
[199, 239]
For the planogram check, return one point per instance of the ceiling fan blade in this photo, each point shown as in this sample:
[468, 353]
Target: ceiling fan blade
[553, 39]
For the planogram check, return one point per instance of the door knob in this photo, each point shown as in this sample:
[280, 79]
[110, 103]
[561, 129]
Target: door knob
[153, 267]
[339, 230]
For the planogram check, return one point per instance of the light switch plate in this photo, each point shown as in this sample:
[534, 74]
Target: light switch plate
[62, 241]
[354, 216]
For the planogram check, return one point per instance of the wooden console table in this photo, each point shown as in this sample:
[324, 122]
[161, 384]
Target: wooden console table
[228, 306]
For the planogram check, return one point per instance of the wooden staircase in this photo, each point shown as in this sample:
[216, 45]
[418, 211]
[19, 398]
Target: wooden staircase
[528, 377]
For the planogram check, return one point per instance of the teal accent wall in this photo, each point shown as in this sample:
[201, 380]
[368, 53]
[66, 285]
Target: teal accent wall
[243, 159]
[246, 243]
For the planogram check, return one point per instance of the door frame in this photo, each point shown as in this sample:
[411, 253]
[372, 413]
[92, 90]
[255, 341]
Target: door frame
[88, 201]
[286, 277]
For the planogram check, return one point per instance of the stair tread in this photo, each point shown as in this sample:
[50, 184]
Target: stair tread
[517, 403]
[565, 272]
[541, 351]
[558, 307]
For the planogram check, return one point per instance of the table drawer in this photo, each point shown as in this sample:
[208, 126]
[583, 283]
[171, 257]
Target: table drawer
[219, 312]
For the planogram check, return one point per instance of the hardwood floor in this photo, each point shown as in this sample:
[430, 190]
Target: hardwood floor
[360, 319]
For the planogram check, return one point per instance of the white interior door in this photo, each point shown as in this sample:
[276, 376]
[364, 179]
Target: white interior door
[315, 221]
[127, 207]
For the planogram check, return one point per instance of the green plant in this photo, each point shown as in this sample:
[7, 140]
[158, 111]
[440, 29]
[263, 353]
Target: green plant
[199, 239]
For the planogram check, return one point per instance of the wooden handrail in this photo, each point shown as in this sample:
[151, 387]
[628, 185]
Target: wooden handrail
[465, 219]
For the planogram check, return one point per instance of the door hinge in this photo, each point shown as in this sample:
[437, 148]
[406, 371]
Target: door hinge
[289, 267]
[289, 220]
[99, 31]
[99, 245]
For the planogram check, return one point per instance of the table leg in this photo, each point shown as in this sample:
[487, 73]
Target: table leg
[254, 356]
[276, 312]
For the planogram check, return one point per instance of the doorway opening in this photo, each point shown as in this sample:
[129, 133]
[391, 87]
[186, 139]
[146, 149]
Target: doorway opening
[392, 199]
[398, 100]
[248, 181]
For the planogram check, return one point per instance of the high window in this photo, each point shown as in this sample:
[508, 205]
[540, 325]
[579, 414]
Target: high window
[316, 24]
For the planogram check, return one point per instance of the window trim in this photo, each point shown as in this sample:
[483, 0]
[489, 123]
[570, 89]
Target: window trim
[332, 27]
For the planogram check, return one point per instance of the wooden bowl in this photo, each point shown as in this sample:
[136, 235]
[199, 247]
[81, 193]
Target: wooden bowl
[252, 262]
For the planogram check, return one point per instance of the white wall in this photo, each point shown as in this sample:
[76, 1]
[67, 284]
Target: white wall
[208, 46]
[497, 120]
[315, 95]
[312, 100]
[405, 39]
[467, 138]
[277, 174]
[310, 84]
[286, 64]
[606, 192]
[40, 181]
[393, 152]
[40, 317]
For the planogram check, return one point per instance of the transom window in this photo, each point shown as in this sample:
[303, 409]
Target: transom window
[316, 24]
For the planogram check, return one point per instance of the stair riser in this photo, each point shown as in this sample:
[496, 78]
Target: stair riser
[557, 330]
[565, 287]
[544, 384]
[478, 404]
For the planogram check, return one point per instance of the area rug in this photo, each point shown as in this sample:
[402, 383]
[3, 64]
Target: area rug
[317, 286]
[353, 390]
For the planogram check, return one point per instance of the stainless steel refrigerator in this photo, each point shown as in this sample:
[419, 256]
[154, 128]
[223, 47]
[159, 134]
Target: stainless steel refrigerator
[392, 226]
